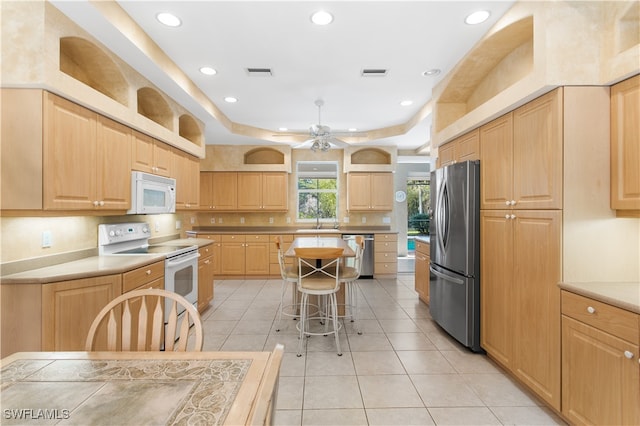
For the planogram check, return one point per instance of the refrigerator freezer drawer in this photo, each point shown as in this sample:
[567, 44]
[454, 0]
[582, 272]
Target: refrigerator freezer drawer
[455, 305]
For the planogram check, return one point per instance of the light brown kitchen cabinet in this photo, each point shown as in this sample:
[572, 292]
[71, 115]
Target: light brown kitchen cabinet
[385, 256]
[86, 159]
[150, 155]
[370, 191]
[600, 370]
[422, 260]
[257, 255]
[69, 308]
[232, 255]
[214, 250]
[520, 270]
[522, 157]
[219, 191]
[625, 146]
[262, 191]
[148, 276]
[187, 174]
[244, 255]
[205, 277]
[463, 148]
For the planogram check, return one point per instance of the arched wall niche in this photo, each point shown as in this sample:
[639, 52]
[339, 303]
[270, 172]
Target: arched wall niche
[188, 128]
[264, 156]
[151, 104]
[370, 156]
[86, 62]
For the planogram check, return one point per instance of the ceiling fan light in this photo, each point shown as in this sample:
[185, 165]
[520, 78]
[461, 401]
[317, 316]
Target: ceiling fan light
[168, 19]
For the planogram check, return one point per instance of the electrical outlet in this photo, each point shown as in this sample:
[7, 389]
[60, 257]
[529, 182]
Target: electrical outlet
[386, 219]
[178, 224]
[345, 219]
[213, 220]
[364, 219]
[219, 220]
[157, 226]
[288, 219]
[270, 220]
[242, 220]
[192, 220]
[46, 239]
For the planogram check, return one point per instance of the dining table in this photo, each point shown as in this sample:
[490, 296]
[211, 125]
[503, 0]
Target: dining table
[316, 242]
[141, 388]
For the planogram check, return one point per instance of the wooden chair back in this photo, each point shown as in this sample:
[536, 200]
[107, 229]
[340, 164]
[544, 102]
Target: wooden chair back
[313, 273]
[148, 324]
[263, 409]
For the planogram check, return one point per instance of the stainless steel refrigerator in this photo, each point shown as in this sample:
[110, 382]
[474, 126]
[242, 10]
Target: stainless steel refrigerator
[454, 288]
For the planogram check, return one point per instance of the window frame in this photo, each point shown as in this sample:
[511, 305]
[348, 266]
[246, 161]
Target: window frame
[335, 191]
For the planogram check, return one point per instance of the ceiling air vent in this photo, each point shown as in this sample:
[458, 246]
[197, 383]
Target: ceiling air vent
[259, 72]
[374, 72]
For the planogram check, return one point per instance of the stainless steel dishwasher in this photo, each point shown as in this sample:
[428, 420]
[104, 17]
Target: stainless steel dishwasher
[367, 257]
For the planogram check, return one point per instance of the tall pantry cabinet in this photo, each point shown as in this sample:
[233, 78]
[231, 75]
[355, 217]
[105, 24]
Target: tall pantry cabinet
[521, 157]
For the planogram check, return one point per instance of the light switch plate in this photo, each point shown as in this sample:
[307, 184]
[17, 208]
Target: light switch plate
[386, 219]
[178, 224]
[242, 220]
[213, 220]
[364, 219]
[46, 239]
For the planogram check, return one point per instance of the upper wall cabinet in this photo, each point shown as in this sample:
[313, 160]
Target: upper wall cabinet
[370, 191]
[521, 157]
[219, 191]
[150, 155]
[262, 191]
[466, 147]
[625, 147]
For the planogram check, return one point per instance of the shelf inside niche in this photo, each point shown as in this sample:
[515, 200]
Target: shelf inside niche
[188, 128]
[89, 64]
[264, 156]
[151, 104]
[499, 61]
[371, 156]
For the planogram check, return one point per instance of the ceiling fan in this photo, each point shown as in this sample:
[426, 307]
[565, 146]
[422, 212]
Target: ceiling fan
[320, 136]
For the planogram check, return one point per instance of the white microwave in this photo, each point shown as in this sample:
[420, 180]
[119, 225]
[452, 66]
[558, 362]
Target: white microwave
[152, 194]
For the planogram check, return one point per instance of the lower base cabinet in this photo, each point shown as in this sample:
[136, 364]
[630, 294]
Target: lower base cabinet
[206, 272]
[600, 370]
[422, 261]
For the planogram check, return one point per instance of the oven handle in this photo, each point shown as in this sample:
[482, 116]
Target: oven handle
[182, 260]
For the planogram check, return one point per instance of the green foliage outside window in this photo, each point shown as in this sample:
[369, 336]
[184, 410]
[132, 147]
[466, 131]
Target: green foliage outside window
[317, 197]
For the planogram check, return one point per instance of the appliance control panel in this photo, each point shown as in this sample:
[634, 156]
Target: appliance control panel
[122, 232]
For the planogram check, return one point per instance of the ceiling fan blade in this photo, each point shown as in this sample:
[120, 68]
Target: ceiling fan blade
[305, 144]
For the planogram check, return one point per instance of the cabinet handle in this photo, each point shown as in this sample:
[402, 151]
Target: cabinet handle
[95, 204]
[513, 216]
[506, 216]
[207, 261]
[591, 309]
[628, 354]
[513, 202]
[507, 202]
[101, 203]
[148, 272]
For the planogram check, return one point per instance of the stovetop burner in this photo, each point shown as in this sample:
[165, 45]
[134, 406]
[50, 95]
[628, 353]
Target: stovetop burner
[133, 238]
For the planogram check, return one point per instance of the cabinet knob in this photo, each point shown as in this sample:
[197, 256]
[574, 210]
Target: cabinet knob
[207, 261]
[148, 272]
[95, 204]
[591, 309]
[513, 202]
[507, 202]
[506, 216]
[101, 203]
[628, 354]
[513, 216]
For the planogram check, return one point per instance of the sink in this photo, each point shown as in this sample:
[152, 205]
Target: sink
[318, 231]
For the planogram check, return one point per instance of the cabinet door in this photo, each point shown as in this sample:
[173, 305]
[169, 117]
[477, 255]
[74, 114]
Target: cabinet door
[497, 285]
[359, 191]
[257, 258]
[224, 191]
[537, 153]
[496, 161]
[206, 190]
[625, 145]
[205, 281]
[382, 191]
[447, 154]
[275, 191]
[468, 146]
[69, 308]
[249, 191]
[69, 155]
[113, 165]
[232, 258]
[136, 303]
[162, 159]
[187, 169]
[600, 384]
[142, 152]
[422, 273]
[536, 263]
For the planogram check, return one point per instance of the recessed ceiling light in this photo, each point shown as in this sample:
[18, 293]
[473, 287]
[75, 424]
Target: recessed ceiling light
[352, 129]
[322, 17]
[432, 71]
[282, 129]
[230, 99]
[208, 71]
[406, 102]
[168, 19]
[477, 17]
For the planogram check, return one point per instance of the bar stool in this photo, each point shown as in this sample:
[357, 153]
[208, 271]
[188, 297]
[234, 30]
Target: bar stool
[349, 276]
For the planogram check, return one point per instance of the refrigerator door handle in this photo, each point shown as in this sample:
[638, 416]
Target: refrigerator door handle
[446, 277]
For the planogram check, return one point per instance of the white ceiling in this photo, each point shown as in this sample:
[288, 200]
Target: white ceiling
[309, 62]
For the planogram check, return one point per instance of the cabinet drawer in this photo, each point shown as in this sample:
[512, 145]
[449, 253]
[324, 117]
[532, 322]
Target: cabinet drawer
[385, 257]
[237, 238]
[205, 251]
[385, 268]
[422, 248]
[386, 247]
[212, 237]
[380, 238]
[264, 238]
[136, 278]
[613, 320]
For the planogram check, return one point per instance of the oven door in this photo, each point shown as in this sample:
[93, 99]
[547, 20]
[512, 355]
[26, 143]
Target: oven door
[181, 277]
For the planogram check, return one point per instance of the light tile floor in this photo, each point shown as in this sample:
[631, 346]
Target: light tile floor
[402, 370]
